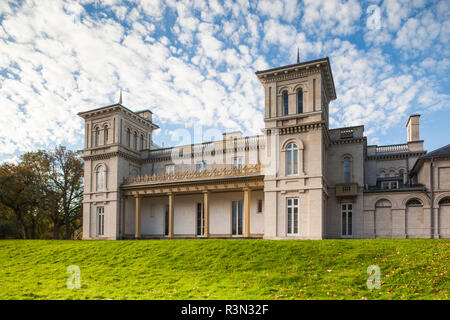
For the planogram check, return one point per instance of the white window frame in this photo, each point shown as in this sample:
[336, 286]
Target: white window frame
[237, 162]
[235, 205]
[294, 204]
[100, 221]
[291, 161]
[100, 178]
[390, 185]
[346, 210]
[170, 169]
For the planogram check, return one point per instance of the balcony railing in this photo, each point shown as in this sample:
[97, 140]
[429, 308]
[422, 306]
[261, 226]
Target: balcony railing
[392, 148]
[227, 172]
[346, 189]
[346, 133]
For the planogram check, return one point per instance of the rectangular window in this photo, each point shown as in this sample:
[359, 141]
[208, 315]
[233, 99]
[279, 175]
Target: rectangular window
[101, 221]
[166, 220]
[389, 185]
[200, 220]
[292, 216]
[236, 218]
[346, 219]
[285, 104]
[300, 101]
[347, 171]
[237, 162]
[170, 169]
[260, 206]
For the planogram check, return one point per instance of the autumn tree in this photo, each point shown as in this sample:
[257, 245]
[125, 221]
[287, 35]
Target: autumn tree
[44, 192]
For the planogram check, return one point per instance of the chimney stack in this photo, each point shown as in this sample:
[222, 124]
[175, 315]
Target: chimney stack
[412, 128]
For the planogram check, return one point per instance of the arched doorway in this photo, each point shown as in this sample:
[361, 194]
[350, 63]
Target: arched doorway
[383, 219]
[444, 218]
[414, 219]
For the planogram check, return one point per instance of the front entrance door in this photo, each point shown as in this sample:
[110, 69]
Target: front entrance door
[236, 218]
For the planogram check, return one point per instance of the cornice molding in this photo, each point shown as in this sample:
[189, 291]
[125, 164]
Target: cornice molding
[286, 75]
[393, 156]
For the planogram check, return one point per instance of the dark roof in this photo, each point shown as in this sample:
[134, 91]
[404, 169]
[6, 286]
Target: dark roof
[438, 153]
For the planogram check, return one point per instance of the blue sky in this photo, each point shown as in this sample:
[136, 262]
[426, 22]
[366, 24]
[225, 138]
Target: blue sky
[193, 62]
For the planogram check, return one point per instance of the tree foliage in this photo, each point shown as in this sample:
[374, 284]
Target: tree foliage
[41, 195]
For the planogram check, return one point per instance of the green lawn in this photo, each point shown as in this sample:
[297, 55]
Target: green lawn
[225, 269]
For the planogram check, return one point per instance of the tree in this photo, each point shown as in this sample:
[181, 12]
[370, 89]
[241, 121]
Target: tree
[44, 193]
[66, 174]
[19, 192]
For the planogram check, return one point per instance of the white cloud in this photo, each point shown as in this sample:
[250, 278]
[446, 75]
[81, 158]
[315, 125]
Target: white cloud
[331, 16]
[197, 67]
[286, 10]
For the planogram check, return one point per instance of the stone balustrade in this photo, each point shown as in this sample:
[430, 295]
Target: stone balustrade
[227, 172]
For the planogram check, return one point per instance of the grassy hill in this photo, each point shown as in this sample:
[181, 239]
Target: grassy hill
[225, 269]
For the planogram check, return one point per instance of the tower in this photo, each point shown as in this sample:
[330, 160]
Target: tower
[296, 123]
[115, 140]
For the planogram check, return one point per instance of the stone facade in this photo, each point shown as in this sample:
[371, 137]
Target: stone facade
[299, 180]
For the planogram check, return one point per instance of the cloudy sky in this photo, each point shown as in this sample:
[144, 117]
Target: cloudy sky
[193, 62]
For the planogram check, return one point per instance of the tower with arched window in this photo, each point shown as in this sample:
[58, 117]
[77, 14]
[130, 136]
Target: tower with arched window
[296, 122]
[112, 152]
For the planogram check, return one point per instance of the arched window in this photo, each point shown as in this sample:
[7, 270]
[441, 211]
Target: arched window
[128, 137]
[141, 142]
[96, 137]
[135, 141]
[347, 169]
[413, 202]
[392, 173]
[105, 136]
[291, 159]
[382, 174]
[300, 101]
[383, 203]
[285, 103]
[100, 178]
[445, 201]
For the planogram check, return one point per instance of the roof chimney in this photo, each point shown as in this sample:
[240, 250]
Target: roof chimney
[412, 128]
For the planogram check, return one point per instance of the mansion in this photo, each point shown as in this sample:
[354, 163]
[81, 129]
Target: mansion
[299, 179]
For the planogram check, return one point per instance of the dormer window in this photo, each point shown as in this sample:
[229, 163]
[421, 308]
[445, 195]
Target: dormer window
[285, 103]
[300, 101]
